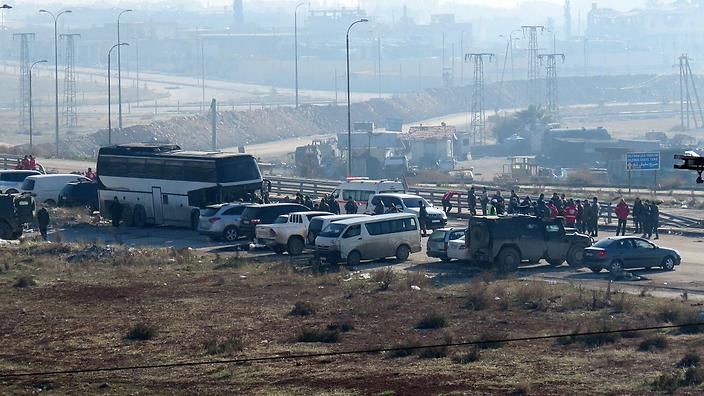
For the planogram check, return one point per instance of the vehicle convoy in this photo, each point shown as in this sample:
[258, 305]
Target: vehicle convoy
[369, 238]
[15, 211]
[618, 253]
[81, 193]
[360, 189]
[265, 214]
[46, 188]
[507, 241]
[408, 203]
[222, 221]
[439, 241]
[318, 224]
[160, 184]
[288, 236]
[11, 179]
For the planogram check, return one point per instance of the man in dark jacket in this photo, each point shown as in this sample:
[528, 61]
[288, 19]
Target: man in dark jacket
[423, 218]
[472, 201]
[116, 212]
[351, 206]
[594, 218]
[638, 215]
[379, 207]
[43, 220]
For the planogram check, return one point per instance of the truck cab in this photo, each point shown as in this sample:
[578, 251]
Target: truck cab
[287, 234]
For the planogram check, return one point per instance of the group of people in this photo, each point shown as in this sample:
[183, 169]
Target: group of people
[27, 163]
[646, 217]
[327, 203]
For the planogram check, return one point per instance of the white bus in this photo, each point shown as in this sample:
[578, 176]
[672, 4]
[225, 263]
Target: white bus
[162, 184]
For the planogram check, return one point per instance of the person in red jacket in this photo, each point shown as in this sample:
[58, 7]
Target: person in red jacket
[553, 210]
[570, 214]
[622, 212]
[447, 201]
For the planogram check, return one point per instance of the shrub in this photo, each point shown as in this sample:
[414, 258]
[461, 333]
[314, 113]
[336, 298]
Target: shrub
[141, 332]
[214, 346]
[400, 351]
[491, 339]
[522, 390]
[343, 326]
[384, 277]
[24, 281]
[693, 376]
[672, 312]
[478, 296]
[658, 342]
[302, 308]
[666, 382]
[431, 321]
[691, 359]
[599, 339]
[419, 279]
[532, 295]
[318, 335]
[435, 352]
[467, 357]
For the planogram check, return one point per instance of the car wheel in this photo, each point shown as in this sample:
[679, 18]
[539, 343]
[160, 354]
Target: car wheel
[403, 252]
[139, 216]
[5, 231]
[575, 256]
[278, 249]
[616, 267]
[596, 270]
[668, 263]
[556, 262]
[508, 259]
[295, 246]
[353, 258]
[231, 234]
[195, 218]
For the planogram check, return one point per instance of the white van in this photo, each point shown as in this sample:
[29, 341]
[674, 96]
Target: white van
[408, 203]
[360, 189]
[319, 223]
[370, 238]
[46, 188]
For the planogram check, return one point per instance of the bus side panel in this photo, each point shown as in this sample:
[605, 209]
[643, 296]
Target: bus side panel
[176, 210]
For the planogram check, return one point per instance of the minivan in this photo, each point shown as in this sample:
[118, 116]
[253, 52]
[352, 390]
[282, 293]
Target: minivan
[370, 238]
[319, 223]
[46, 188]
[265, 214]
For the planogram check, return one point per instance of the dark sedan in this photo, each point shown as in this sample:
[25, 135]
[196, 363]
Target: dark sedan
[619, 253]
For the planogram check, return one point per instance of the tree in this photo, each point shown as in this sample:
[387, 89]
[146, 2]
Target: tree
[523, 123]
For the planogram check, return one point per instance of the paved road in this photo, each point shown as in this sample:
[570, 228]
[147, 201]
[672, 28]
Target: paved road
[688, 276]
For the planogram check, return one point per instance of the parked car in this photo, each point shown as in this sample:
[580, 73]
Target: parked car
[222, 221]
[288, 235]
[439, 240]
[618, 253]
[46, 188]
[370, 238]
[11, 180]
[265, 214]
[83, 194]
[408, 203]
[318, 224]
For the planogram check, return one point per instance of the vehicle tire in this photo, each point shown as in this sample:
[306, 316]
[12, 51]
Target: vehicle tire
[575, 256]
[231, 234]
[668, 263]
[616, 267]
[139, 216]
[195, 218]
[403, 252]
[508, 259]
[556, 262]
[595, 270]
[50, 202]
[353, 258]
[479, 235]
[295, 246]
[278, 249]
[5, 231]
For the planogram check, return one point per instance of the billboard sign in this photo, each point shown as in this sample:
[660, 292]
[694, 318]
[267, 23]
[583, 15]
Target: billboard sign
[642, 161]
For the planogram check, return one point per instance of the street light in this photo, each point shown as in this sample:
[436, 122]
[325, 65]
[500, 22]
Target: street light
[119, 70]
[349, 113]
[295, 40]
[109, 93]
[56, 71]
[31, 142]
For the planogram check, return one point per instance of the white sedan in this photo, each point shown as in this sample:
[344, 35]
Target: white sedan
[457, 250]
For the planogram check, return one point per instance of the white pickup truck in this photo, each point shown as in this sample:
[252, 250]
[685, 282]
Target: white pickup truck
[288, 233]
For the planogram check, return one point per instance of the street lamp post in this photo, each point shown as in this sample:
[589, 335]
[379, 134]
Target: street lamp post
[119, 71]
[31, 141]
[2, 23]
[349, 112]
[56, 72]
[118, 45]
[295, 40]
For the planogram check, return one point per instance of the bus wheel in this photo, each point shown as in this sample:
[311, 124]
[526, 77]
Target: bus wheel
[195, 218]
[139, 216]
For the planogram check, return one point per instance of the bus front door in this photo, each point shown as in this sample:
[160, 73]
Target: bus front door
[157, 204]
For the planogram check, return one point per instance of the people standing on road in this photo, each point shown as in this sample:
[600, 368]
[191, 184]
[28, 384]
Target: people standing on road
[25, 162]
[423, 218]
[541, 209]
[472, 201]
[526, 206]
[447, 201]
[579, 219]
[91, 175]
[553, 209]
[323, 206]
[351, 206]
[500, 204]
[622, 212]
[299, 198]
[513, 205]
[594, 218]
[570, 214]
[557, 202]
[484, 200]
[116, 212]
[308, 203]
[491, 208]
[32, 162]
[638, 213]
[334, 205]
[43, 220]
[653, 220]
[379, 207]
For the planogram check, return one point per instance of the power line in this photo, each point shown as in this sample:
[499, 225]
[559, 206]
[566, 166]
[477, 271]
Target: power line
[339, 353]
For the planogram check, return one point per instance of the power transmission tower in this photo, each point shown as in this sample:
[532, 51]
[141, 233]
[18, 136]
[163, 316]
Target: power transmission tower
[531, 31]
[70, 115]
[552, 105]
[478, 120]
[686, 103]
[24, 80]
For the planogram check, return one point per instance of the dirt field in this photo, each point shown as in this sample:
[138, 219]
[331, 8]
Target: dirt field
[205, 307]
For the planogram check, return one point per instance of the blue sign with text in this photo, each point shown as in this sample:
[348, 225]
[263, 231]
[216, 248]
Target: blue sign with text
[642, 161]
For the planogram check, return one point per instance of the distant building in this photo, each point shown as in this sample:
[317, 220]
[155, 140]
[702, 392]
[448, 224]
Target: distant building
[431, 145]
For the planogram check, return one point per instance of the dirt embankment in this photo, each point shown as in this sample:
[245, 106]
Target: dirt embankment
[271, 124]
